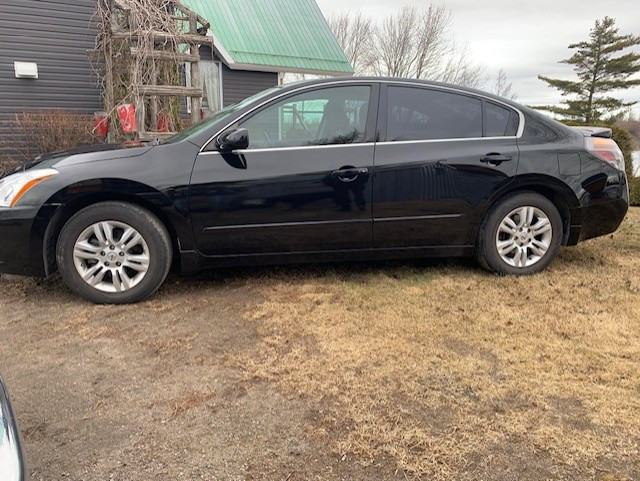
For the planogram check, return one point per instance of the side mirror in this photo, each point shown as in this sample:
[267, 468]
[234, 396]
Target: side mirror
[234, 140]
[12, 466]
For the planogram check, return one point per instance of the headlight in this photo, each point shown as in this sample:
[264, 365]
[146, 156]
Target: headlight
[13, 187]
[11, 461]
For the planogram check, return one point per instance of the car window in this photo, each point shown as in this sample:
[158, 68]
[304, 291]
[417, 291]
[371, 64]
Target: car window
[330, 116]
[500, 121]
[424, 114]
[212, 120]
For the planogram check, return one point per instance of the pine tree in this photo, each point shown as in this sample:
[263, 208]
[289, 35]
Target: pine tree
[599, 72]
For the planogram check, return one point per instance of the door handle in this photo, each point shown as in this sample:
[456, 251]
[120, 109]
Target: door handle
[495, 159]
[349, 174]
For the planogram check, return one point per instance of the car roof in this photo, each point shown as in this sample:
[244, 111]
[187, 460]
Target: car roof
[523, 111]
[417, 82]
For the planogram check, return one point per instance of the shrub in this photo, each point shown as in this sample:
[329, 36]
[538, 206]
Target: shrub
[634, 188]
[625, 142]
[40, 132]
[7, 163]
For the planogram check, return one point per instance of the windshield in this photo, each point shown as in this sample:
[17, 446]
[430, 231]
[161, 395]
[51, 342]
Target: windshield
[219, 116]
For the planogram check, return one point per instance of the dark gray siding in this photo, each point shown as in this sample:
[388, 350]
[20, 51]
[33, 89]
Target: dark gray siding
[56, 35]
[237, 85]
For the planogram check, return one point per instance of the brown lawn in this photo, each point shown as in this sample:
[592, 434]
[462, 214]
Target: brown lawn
[419, 369]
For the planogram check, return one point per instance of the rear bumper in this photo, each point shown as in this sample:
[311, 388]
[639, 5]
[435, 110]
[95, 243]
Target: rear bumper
[602, 219]
[600, 214]
[19, 252]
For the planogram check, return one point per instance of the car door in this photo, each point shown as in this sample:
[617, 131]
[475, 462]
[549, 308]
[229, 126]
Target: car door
[304, 183]
[444, 153]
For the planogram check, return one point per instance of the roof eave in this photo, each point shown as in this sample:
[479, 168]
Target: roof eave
[278, 69]
[227, 58]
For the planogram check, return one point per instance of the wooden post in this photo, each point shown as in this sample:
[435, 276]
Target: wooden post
[109, 95]
[196, 102]
[123, 24]
[154, 98]
[138, 98]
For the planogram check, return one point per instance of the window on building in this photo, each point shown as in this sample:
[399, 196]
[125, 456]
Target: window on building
[211, 80]
[211, 83]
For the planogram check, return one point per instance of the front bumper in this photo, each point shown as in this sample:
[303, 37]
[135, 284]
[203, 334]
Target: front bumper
[20, 252]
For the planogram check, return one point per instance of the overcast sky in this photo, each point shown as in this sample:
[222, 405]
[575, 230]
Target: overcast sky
[524, 37]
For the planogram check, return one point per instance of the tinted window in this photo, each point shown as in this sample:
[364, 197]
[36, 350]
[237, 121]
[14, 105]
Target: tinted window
[209, 122]
[500, 121]
[330, 116]
[422, 114]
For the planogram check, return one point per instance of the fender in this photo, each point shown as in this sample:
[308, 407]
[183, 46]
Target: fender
[171, 207]
[557, 191]
[541, 181]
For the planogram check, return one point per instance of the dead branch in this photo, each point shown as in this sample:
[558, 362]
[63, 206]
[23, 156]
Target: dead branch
[140, 50]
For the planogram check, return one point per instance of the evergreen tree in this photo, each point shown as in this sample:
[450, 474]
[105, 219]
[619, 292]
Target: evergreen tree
[599, 72]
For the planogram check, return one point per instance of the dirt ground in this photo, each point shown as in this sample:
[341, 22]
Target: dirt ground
[403, 370]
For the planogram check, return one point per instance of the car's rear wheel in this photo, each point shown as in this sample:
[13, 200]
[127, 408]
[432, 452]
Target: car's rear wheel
[521, 235]
[114, 253]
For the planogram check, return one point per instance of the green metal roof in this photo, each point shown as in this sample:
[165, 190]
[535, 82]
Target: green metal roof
[279, 35]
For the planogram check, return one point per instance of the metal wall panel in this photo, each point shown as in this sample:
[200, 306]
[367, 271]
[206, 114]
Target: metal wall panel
[237, 85]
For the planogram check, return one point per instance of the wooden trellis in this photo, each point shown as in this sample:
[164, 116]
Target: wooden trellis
[136, 40]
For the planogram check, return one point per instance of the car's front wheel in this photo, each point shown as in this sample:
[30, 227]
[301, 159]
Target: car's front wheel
[114, 253]
[521, 235]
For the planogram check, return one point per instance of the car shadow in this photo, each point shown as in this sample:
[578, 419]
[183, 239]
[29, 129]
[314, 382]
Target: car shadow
[343, 271]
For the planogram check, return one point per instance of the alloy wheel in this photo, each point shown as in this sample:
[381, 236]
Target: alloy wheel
[111, 256]
[524, 236]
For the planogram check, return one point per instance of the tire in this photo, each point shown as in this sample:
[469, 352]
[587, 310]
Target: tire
[528, 245]
[92, 244]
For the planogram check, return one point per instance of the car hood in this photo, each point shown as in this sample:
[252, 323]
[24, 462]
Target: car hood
[81, 155]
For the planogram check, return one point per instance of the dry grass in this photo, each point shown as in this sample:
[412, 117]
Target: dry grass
[407, 370]
[454, 373]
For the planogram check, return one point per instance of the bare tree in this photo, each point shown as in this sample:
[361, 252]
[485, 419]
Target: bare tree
[353, 31]
[394, 44]
[411, 43]
[502, 87]
[460, 70]
[434, 41]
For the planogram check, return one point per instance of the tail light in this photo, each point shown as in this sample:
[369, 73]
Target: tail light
[607, 150]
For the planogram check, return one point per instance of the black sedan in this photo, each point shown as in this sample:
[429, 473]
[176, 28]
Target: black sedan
[330, 170]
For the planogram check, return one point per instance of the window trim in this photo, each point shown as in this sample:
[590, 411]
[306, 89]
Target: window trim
[431, 141]
[381, 100]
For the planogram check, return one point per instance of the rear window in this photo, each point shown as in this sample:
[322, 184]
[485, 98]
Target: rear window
[500, 121]
[423, 114]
